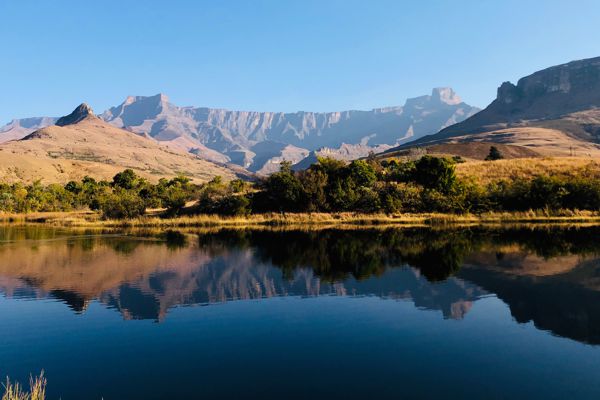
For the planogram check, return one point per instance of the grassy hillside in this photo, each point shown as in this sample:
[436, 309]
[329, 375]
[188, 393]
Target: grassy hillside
[58, 154]
[484, 172]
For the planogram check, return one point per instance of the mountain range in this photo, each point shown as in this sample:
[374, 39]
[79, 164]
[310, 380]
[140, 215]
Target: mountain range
[81, 144]
[552, 112]
[259, 141]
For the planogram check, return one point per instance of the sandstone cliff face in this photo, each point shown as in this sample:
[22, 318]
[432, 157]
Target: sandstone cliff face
[236, 135]
[552, 92]
[565, 97]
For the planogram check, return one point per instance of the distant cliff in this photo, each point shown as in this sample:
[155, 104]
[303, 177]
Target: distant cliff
[238, 136]
[259, 141]
[552, 111]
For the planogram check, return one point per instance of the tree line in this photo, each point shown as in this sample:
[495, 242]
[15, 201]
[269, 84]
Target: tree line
[429, 184]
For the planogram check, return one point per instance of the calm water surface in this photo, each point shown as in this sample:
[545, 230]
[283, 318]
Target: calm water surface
[504, 313]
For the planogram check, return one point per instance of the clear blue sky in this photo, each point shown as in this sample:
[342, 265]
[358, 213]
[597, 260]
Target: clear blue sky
[279, 55]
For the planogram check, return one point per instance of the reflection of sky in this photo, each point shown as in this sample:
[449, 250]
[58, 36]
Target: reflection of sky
[291, 334]
[267, 347]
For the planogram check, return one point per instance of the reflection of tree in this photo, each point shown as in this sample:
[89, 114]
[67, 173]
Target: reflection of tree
[553, 242]
[124, 246]
[143, 278]
[174, 239]
[337, 254]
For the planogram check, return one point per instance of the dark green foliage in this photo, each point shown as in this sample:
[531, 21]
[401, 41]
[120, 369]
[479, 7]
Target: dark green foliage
[283, 190]
[126, 179]
[362, 173]
[494, 154]
[127, 196]
[174, 194]
[427, 185]
[122, 204]
[314, 184]
[217, 197]
[435, 173]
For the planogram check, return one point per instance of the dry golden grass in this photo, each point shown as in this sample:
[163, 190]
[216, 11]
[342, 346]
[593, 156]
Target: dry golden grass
[305, 220]
[484, 172]
[544, 140]
[37, 389]
[480, 150]
[95, 148]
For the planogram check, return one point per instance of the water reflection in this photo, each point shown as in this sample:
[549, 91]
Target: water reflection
[548, 276]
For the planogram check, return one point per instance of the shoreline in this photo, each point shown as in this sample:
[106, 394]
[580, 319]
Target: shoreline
[88, 219]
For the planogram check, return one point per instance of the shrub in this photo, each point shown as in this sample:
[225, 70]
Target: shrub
[122, 204]
[494, 154]
[435, 173]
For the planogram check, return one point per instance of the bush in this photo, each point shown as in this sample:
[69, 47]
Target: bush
[494, 154]
[435, 173]
[122, 204]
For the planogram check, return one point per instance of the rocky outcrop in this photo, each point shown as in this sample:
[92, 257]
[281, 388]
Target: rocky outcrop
[85, 145]
[237, 134]
[562, 97]
[80, 113]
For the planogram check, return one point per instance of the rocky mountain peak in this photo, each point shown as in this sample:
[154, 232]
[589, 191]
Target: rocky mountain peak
[82, 112]
[551, 92]
[507, 93]
[445, 95]
[157, 99]
[562, 100]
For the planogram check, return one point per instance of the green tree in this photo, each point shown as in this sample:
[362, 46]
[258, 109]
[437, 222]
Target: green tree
[494, 154]
[122, 204]
[362, 173]
[435, 173]
[314, 184]
[283, 189]
[126, 179]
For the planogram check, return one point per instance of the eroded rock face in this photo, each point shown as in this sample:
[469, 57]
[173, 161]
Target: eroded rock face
[237, 135]
[554, 91]
[553, 98]
[80, 113]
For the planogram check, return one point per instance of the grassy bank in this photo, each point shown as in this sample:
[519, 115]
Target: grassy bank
[91, 219]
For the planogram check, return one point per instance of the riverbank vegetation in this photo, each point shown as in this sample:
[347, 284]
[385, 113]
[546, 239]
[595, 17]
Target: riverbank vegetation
[14, 390]
[367, 190]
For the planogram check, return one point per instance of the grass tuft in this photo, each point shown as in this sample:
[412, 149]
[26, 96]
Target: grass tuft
[37, 389]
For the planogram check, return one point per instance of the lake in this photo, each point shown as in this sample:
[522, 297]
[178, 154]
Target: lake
[371, 313]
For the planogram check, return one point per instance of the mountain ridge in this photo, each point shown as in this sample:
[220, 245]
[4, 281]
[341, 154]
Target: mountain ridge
[83, 144]
[554, 111]
[229, 136]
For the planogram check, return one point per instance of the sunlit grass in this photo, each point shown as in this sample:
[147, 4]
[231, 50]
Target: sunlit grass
[484, 172]
[92, 220]
[37, 389]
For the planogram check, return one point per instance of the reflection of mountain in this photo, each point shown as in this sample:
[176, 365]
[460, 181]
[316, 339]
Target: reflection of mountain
[143, 279]
[567, 303]
[550, 277]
